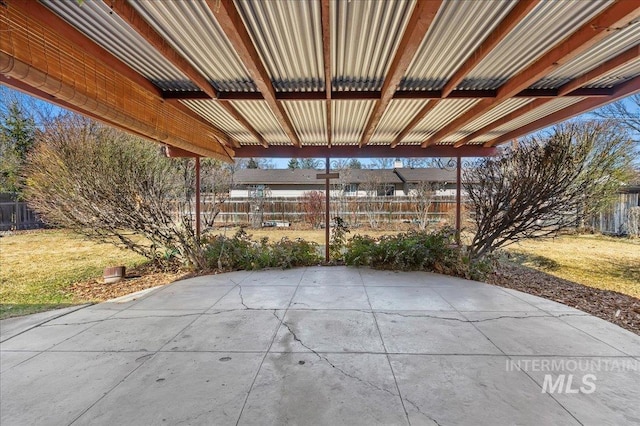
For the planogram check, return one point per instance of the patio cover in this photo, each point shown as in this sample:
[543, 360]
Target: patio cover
[324, 78]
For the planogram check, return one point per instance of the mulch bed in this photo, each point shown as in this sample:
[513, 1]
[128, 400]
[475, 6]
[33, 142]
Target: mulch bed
[136, 279]
[618, 308]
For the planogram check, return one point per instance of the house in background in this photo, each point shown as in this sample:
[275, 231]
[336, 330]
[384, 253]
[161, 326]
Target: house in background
[287, 183]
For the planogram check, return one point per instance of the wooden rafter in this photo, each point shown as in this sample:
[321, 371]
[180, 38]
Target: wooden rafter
[146, 31]
[325, 16]
[569, 87]
[610, 65]
[618, 15]
[100, 85]
[512, 19]
[231, 24]
[422, 16]
[622, 90]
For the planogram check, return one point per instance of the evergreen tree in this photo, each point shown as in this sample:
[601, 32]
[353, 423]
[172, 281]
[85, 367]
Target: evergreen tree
[355, 164]
[17, 137]
[293, 164]
[252, 164]
[309, 163]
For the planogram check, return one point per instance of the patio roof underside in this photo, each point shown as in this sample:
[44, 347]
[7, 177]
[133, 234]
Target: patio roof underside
[310, 78]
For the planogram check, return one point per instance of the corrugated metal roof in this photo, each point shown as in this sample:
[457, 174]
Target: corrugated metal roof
[496, 113]
[364, 37]
[191, 28]
[451, 39]
[219, 117]
[544, 27]
[310, 120]
[260, 116]
[618, 76]
[536, 114]
[288, 37]
[348, 119]
[395, 119]
[446, 111]
[608, 48]
[96, 20]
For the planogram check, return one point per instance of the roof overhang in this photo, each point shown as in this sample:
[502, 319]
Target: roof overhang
[327, 78]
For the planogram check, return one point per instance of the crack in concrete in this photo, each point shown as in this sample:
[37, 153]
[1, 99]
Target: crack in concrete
[472, 321]
[325, 359]
[241, 297]
[417, 407]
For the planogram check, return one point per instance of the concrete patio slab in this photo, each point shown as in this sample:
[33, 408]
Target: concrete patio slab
[432, 332]
[327, 389]
[472, 390]
[328, 331]
[212, 386]
[321, 346]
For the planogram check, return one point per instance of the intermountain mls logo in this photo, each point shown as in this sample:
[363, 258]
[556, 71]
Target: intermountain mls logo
[570, 376]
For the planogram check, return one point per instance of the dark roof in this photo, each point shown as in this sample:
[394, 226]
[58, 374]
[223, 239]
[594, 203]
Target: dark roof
[431, 174]
[308, 176]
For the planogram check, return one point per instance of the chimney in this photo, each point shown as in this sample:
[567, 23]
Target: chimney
[397, 164]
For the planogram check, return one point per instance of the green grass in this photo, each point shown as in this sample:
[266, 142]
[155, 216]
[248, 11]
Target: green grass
[36, 268]
[593, 260]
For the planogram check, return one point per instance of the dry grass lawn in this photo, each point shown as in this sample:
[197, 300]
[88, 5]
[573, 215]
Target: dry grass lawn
[596, 261]
[38, 267]
[41, 270]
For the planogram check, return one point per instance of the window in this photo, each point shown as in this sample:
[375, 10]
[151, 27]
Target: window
[351, 189]
[386, 191]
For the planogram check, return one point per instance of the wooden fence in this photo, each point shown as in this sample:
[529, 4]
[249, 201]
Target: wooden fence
[355, 210]
[15, 215]
[621, 218]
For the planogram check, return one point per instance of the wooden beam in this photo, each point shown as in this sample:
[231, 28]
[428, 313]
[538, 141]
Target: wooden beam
[97, 87]
[513, 18]
[368, 151]
[376, 95]
[622, 90]
[622, 59]
[231, 24]
[618, 15]
[422, 16]
[131, 16]
[325, 17]
[503, 120]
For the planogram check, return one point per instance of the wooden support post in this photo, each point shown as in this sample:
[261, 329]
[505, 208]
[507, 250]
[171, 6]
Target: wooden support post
[197, 159]
[458, 198]
[326, 211]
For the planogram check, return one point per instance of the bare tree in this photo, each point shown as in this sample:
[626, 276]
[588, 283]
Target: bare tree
[625, 112]
[313, 203]
[374, 198]
[114, 188]
[544, 185]
[422, 196]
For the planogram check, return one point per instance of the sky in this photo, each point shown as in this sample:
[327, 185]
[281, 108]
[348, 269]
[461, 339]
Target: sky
[49, 110]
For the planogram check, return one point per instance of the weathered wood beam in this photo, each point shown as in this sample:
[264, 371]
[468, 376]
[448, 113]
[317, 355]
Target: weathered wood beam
[368, 151]
[231, 24]
[422, 16]
[618, 15]
[622, 90]
[325, 16]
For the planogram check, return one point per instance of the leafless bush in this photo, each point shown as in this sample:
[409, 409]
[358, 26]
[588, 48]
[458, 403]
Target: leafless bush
[313, 203]
[546, 184]
[114, 188]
